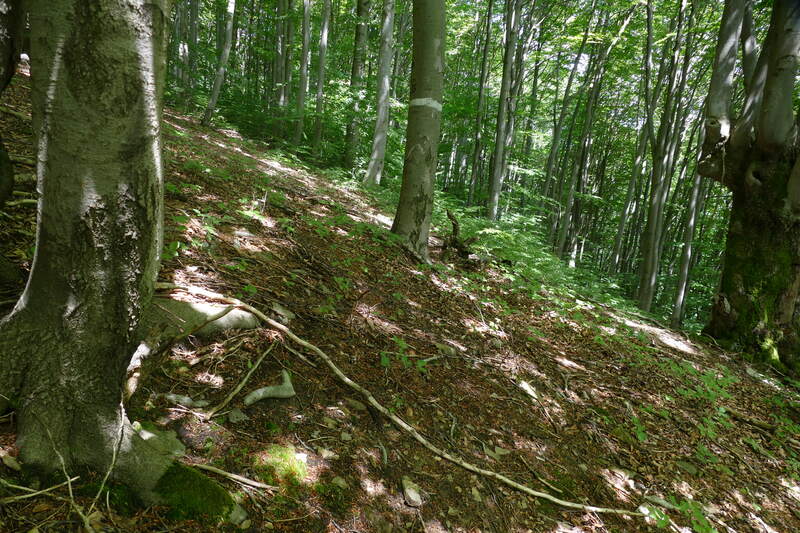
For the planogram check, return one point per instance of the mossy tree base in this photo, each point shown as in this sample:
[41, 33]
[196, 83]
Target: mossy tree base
[756, 308]
[191, 495]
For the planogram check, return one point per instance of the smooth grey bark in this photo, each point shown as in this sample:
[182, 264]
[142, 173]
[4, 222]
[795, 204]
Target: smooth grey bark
[353, 133]
[627, 209]
[289, 51]
[513, 14]
[279, 64]
[302, 91]
[97, 74]
[718, 123]
[194, 14]
[592, 82]
[756, 307]
[687, 258]
[316, 145]
[663, 160]
[558, 126]
[413, 216]
[398, 67]
[580, 167]
[385, 54]
[479, 113]
[10, 42]
[223, 63]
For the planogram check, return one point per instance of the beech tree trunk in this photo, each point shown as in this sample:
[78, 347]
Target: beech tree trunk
[10, 34]
[303, 89]
[479, 114]
[756, 309]
[316, 146]
[352, 135]
[97, 78]
[385, 54]
[496, 179]
[223, 63]
[412, 220]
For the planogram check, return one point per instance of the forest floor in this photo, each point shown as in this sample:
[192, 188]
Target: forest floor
[552, 389]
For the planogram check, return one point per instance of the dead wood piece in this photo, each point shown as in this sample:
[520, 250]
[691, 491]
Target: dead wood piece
[454, 240]
[22, 160]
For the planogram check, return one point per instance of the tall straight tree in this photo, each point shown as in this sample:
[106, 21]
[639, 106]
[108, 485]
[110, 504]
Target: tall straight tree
[513, 13]
[302, 90]
[316, 145]
[9, 53]
[756, 308]
[412, 219]
[353, 133]
[97, 73]
[385, 54]
[223, 63]
[479, 113]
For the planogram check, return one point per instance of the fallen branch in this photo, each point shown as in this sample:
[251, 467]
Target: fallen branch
[22, 160]
[30, 493]
[455, 242]
[235, 477]
[24, 201]
[400, 423]
[14, 113]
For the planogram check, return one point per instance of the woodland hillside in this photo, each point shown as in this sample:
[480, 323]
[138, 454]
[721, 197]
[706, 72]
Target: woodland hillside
[443, 265]
[566, 390]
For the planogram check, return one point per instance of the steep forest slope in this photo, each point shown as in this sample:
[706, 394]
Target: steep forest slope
[539, 383]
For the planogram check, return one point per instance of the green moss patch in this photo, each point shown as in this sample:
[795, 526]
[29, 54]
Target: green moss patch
[191, 495]
[280, 464]
[122, 498]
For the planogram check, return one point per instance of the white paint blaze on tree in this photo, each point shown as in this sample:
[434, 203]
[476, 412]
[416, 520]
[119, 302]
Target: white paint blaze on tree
[756, 157]
[413, 217]
[98, 73]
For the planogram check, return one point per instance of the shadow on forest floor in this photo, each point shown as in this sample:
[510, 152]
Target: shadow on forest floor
[560, 393]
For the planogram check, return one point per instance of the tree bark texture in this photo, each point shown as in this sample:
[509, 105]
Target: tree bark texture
[97, 76]
[413, 217]
[302, 91]
[513, 12]
[10, 34]
[352, 135]
[385, 54]
[223, 64]
[323, 49]
[477, 147]
[756, 309]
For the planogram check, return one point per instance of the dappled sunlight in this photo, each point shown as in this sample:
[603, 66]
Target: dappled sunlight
[373, 321]
[665, 337]
[792, 488]
[572, 365]
[210, 380]
[620, 482]
[373, 488]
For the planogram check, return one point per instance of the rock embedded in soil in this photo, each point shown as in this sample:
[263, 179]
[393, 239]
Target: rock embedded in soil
[411, 493]
[355, 405]
[284, 315]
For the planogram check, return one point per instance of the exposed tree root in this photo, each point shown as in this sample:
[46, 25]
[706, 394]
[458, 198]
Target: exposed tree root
[396, 420]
